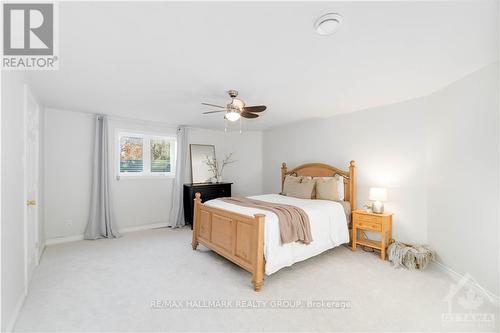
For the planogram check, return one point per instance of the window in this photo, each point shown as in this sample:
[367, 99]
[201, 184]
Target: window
[144, 154]
[160, 155]
[131, 154]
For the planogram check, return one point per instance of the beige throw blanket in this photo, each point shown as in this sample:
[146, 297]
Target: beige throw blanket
[293, 221]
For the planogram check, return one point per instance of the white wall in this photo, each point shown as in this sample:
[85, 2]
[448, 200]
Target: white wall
[387, 145]
[14, 280]
[137, 202]
[438, 157]
[463, 166]
[68, 158]
[246, 172]
[69, 146]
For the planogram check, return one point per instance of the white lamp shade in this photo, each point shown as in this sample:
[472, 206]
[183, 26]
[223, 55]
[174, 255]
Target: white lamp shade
[378, 194]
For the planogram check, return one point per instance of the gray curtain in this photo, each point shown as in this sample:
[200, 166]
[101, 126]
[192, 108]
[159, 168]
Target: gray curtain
[176, 218]
[101, 223]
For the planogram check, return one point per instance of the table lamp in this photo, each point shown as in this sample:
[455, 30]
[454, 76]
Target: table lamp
[378, 195]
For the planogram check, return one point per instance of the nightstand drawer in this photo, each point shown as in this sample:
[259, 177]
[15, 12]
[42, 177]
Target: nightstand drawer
[367, 225]
[377, 223]
[366, 218]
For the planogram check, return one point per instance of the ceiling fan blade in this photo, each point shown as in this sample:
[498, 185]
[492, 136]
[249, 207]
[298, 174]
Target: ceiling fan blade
[217, 106]
[249, 115]
[213, 111]
[257, 108]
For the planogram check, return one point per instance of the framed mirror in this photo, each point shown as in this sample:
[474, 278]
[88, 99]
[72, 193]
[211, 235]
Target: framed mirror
[200, 172]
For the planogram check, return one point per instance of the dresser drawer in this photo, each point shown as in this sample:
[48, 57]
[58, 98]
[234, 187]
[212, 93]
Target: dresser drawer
[225, 191]
[368, 225]
[214, 193]
[207, 191]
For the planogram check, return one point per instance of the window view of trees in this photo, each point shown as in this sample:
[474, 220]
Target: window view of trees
[160, 155]
[142, 154]
[131, 154]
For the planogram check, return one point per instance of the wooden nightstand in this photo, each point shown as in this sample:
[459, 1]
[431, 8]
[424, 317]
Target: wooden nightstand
[381, 223]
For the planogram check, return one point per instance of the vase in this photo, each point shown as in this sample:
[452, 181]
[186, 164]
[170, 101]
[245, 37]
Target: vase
[378, 207]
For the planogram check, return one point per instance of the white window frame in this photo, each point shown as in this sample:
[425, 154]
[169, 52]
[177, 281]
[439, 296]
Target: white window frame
[146, 151]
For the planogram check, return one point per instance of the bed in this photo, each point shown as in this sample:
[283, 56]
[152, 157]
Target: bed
[249, 237]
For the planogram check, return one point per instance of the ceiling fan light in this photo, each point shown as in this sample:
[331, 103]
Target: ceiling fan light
[232, 116]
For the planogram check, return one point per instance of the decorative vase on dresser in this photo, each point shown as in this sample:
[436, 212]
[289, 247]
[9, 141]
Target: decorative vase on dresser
[208, 191]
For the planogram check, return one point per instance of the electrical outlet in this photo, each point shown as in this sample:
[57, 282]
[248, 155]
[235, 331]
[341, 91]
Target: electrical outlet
[68, 223]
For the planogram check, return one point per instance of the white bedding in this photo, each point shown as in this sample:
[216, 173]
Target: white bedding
[328, 228]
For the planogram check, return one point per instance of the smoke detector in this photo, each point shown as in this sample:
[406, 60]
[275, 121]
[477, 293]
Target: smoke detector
[328, 24]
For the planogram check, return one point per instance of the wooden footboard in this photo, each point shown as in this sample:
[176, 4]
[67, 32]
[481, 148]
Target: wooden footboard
[240, 238]
[237, 237]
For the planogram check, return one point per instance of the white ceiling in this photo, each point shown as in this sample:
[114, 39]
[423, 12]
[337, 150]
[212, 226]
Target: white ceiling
[158, 61]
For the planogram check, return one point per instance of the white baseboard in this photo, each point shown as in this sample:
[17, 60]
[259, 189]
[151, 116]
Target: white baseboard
[40, 252]
[144, 227]
[470, 283]
[68, 239]
[60, 240]
[12, 322]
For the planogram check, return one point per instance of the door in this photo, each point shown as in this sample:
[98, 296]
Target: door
[31, 183]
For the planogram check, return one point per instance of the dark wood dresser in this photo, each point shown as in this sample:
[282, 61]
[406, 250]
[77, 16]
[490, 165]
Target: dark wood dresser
[208, 192]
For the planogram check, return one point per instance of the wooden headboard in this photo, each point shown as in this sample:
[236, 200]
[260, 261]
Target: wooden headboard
[325, 170]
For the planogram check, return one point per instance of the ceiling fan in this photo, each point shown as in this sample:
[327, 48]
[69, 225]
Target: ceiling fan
[236, 108]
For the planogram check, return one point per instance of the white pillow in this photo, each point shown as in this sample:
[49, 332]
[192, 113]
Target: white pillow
[340, 185]
[327, 188]
[300, 190]
[290, 180]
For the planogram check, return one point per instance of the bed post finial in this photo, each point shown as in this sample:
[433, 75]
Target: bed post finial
[352, 183]
[284, 170]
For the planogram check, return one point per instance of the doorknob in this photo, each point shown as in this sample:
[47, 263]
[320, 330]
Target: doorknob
[30, 202]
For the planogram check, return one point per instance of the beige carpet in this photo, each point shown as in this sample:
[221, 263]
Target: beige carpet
[109, 285]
